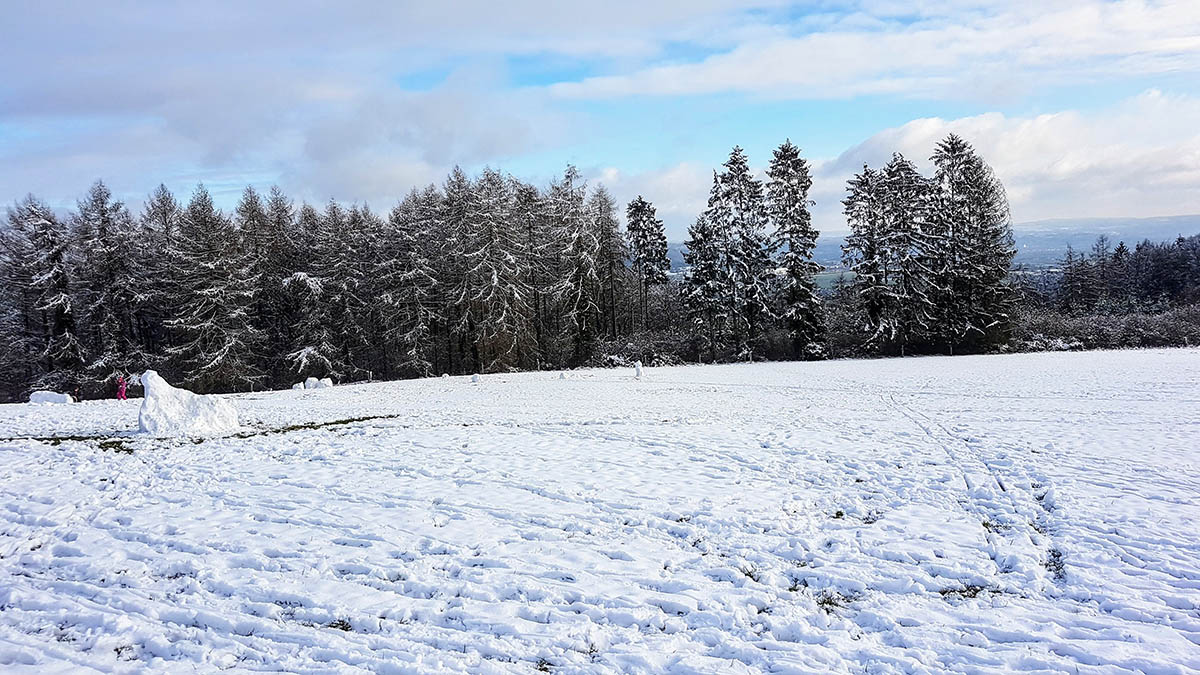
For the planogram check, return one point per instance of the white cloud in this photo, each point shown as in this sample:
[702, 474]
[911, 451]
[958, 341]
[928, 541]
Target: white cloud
[982, 50]
[1138, 158]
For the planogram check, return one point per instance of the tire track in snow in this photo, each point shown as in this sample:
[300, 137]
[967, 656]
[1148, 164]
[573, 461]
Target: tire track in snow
[1012, 554]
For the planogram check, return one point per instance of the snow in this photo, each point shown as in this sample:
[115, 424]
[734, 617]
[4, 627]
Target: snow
[967, 514]
[50, 397]
[168, 411]
[314, 383]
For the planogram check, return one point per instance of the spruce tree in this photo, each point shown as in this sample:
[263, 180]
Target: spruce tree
[911, 292]
[737, 214]
[863, 252]
[794, 241]
[975, 251]
[648, 247]
[705, 287]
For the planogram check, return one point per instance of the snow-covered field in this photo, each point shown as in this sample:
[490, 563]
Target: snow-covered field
[978, 514]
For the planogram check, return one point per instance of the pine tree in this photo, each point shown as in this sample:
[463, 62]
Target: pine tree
[648, 248]
[794, 241]
[218, 346]
[111, 287]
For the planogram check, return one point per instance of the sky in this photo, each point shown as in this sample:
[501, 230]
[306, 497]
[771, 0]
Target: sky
[1084, 108]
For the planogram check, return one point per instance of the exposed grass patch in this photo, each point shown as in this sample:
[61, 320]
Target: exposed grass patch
[104, 442]
[968, 591]
[1056, 564]
[116, 445]
[340, 624]
[830, 601]
[309, 426]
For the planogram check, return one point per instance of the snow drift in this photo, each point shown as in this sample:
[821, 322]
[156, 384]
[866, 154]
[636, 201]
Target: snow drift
[50, 397]
[168, 411]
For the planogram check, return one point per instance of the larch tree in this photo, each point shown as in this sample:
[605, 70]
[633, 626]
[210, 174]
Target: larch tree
[111, 286]
[218, 344]
[611, 256]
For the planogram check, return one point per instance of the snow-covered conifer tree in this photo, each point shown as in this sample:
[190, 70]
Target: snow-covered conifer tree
[794, 241]
[496, 302]
[737, 214]
[313, 351]
[408, 279]
[648, 250]
[975, 251]
[218, 344]
[864, 252]
[611, 257]
[705, 286]
[911, 290]
[575, 263]
[110, 282]
[159, 230]
[38, 261]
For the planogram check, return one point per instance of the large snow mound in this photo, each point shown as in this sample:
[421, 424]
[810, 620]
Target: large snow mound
[314, 383]
[169, 411]
[50, 397]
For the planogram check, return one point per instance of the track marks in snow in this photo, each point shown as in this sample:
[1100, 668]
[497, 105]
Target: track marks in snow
[769, 517]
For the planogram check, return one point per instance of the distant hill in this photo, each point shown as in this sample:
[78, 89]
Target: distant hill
[1041, 242]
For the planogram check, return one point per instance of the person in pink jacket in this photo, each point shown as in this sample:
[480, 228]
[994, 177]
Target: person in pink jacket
[121, 384]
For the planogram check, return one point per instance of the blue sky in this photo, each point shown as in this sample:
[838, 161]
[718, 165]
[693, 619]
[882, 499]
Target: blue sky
[1086, 108]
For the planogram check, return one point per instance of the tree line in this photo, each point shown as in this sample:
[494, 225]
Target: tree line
[1113, 297]
[489, 273]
